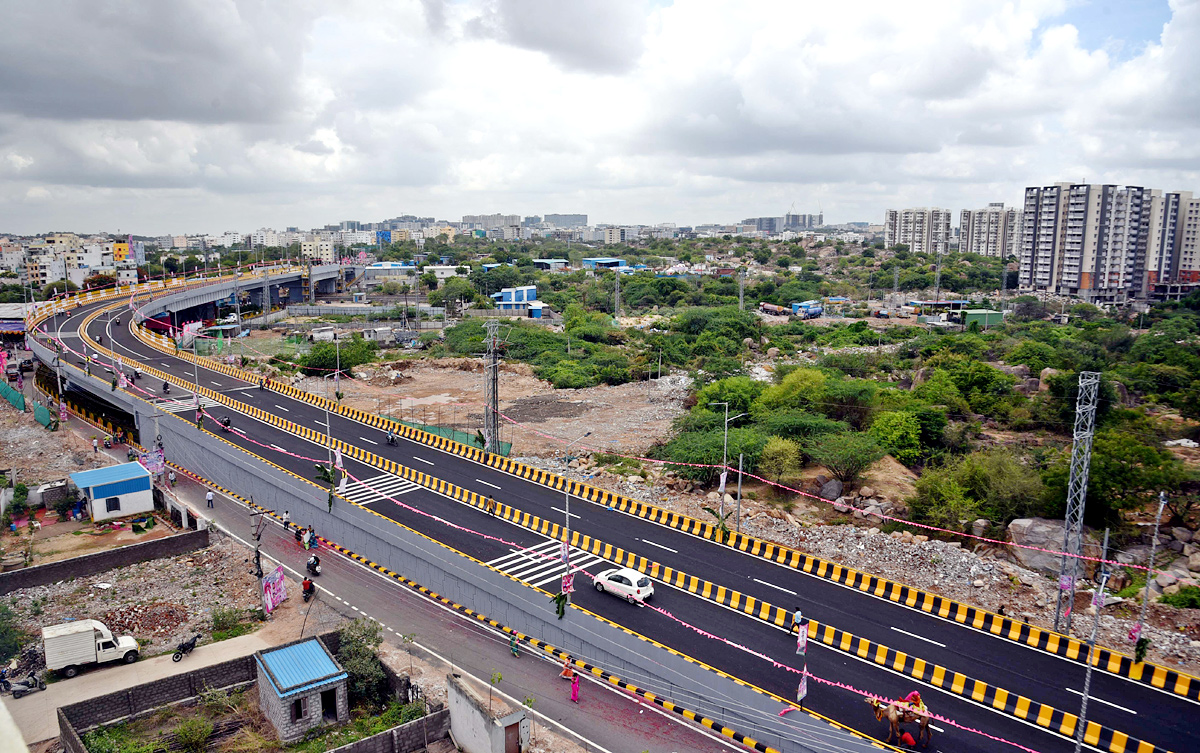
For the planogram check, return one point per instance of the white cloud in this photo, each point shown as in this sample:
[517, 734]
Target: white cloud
[235, 113]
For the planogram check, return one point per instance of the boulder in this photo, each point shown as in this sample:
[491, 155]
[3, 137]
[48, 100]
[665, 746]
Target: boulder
[1181, 534]
[1123, 394]
[978, 583]
[840, 505]
[1194, 563]
[772, 352]
[748, 342]
[1043, 376]
[1044, 533]
[764, 340]
[831, 489]
[1028, 386]
[1165, 580]
[920, 376]
[866, 491]
[1020, 370]
[980, 526]
[714, 496]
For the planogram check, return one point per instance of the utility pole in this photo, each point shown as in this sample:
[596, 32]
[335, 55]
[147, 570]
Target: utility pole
[896, 285]
[937, 281]
[617, 293]
[1097, 604]
[739, 493]
[1162, 502]
[1081, 459]
[491, 389]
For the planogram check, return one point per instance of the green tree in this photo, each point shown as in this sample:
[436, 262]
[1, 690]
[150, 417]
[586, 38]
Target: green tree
[993, 484]
[739, 392]
[325, 356]
[849, 400]
[358, 642]
[780, 459]
[429, 280]
[845, 455]
[899, 434]
[800, 388]
[1036, 355]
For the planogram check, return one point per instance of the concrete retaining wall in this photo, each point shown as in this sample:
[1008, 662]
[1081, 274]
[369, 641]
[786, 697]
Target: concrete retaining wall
[405, 738]
[90, 564]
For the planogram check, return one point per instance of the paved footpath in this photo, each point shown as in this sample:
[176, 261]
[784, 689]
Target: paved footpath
[604, 721]
[36, 714]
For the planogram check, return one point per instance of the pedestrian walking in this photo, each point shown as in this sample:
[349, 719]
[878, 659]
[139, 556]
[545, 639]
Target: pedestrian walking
[567, 673]
[797, 619]
[287, 520]
[209, 498]
[95, 446]
[512, 644]
[171, 478]
[575, 688]
[491, 505]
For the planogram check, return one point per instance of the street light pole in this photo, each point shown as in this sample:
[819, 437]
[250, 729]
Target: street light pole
[1162, 502]
[725, 455]
[567, 452]
[1098, 605]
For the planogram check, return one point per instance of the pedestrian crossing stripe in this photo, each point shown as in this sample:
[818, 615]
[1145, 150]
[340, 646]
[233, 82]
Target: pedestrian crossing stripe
[366, 491]
[186, 404]
[541, 565]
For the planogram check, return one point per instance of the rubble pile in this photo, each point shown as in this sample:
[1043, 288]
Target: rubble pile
[145, 620]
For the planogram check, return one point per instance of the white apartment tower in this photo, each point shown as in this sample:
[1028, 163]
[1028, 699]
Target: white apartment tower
[1175, 255]
[994, 231]
[922, 230]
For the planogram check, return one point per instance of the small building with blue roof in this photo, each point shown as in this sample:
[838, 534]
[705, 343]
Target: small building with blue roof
[116, 490]
[301, 686]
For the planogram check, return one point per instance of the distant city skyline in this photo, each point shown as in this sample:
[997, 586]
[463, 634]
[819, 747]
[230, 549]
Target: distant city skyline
[251, 114]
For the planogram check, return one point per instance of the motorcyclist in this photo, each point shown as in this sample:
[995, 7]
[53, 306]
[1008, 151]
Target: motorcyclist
[391, 436]
[166, 388]
[307, 587]
[314, 562]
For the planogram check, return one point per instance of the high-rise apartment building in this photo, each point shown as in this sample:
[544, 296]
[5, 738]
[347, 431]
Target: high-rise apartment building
[923, 230]
[1107, 243]
[567, 220]
[993, 231]
[491, 221]
[803, 221]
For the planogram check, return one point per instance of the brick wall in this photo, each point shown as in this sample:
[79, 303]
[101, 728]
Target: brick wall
[90, 564]
[123, 703]
[405, 738]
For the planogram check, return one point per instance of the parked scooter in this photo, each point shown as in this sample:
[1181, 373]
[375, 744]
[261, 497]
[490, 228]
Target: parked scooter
[5, 685]
[30, 684]
[185, 648]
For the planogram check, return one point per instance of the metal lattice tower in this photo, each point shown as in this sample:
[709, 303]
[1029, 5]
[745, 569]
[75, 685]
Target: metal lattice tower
[937, 281]
[1081, 460]
[491, 389]
[616, 292]
[741, 289]
[896, 285]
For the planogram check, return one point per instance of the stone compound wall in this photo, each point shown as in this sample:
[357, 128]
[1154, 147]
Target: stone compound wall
[89, 564]
[405, 738]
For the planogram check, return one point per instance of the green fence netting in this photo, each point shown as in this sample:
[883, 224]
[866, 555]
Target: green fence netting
[42, 415]
[461, 437]
[12, 396]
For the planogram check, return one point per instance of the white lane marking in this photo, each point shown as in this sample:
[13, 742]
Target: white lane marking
[485, 483]
[280, 407]
[559, 509]
[368, 440]
[278, 448]
[215, 384]
[1101, 700]
[772, 585]
[423, 460]
[660, 546]
[918, 637]
[322, 423]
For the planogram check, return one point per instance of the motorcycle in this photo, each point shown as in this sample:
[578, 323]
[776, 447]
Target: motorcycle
[166, 388]
[30, 684]
[225, 423]
[185, 648]
[313, 566]
[5, 685]
[108, 443]
[308, 593]
[391, 439]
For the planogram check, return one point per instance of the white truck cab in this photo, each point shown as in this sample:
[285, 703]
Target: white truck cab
[73, 644]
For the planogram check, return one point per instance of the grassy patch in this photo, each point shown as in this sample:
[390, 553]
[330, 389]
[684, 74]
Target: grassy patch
[364, 722]
[1187, 597]
[230, 623]
[1135, 588]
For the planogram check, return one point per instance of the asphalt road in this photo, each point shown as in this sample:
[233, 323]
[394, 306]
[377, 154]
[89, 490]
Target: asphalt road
[1136, 710]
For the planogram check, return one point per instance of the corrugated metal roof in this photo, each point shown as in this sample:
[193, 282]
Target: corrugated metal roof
[300, 666]
[109, 474]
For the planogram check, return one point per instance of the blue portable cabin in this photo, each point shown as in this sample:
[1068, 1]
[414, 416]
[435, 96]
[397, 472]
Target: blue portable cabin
[115, 491]
[603, 262]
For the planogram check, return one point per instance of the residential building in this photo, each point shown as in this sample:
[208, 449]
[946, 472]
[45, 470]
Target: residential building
[803, 221]
[12, 256]
[264, 238]
[1175, 255]
[319, 251]
[768, 225]
[992, 231]
[923, 230]
[567, 220]
[1104, 243]
[516, 299]
[445, 272]
[490, 221]
[614, 235]
[510, 232]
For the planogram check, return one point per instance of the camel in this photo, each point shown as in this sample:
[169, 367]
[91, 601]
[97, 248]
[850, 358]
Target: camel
[897, 713]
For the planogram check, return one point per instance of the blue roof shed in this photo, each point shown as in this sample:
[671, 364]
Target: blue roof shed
[113, 480]
[298, 667]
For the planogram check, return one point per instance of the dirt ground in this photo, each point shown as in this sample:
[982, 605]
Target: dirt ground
[449, 392]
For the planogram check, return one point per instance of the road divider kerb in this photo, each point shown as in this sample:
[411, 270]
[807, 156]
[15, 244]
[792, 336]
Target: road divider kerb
[1106, 660]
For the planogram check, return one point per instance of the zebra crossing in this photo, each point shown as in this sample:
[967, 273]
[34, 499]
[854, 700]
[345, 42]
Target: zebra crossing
[370, 490]
[186, 404]
[542, 564]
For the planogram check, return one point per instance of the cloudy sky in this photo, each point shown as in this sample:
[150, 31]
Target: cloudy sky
[212, 115]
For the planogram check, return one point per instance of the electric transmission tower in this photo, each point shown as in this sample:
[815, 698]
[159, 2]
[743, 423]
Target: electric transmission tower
[491, 389]
[616, 292]
[937, 281]
[742, 289]
[1081, 459]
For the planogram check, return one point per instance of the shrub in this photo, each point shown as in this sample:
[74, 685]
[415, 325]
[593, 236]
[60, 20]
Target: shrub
[780, 458]
[226, 618]
[993, 484]
[845, 455]
[1187, 597]
[899, 434]
[192, 734]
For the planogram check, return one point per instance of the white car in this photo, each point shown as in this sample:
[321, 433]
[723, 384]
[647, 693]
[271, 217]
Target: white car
[629, 584]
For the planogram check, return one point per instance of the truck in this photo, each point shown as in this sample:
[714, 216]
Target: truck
[74, 644]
